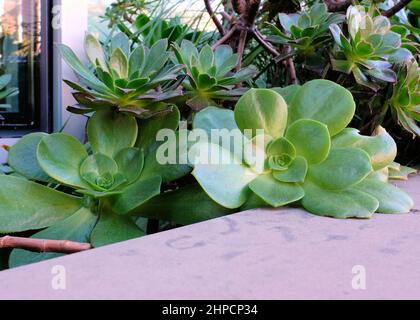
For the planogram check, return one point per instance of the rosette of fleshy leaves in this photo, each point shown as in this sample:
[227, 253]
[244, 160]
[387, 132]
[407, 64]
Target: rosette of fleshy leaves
[310, 155]
[370, 50]
[83, 193]
[210, 76]
[405, 101]
[134, 81]
[306, 32]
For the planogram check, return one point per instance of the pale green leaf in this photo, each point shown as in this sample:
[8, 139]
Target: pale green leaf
[130, 163]
[94, 51]
[326, 102]
[342, 169]
[60, 156]
[262, 109]
[381, 148]
[295, 173]
[344, 204]
[26, 205]
[110, 132]
[185, 206]
[392, 200]
[311, 140]
[274, 192]
[149, 128]
[225, 182]
[119, 63]
[22, 157]
[136, 194]
[112, 228]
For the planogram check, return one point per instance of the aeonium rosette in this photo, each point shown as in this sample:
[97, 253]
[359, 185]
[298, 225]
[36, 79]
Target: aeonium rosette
[309, 155]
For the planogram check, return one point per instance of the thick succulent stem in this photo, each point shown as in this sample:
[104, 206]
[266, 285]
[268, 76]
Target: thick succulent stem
[338, 5]
[214, 17]
[241, 48]
[265, 44]
[225, 38]
[291, 69]
[39, 245]
[238, 6]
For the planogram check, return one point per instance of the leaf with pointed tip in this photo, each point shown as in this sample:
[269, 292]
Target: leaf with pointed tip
[137, 61]
[94, 51]
[206, 58]
[119, 63]
[221, 55]
[157, 58]
[122, 42]
[87, 77]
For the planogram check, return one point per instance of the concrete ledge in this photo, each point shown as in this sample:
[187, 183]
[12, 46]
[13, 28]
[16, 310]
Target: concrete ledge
[262, 254]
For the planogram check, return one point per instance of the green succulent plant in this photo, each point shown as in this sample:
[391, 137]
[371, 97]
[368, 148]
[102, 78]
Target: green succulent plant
[150, 30]
[6, 92]
[135, 81]
[310, 156]
[370, 50]
[209, 74]
[396, 171]
[306, 32]
[405, 101]
[83, 192]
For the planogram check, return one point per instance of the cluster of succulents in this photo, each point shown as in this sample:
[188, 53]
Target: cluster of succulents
[370, 50]
[405, 101]
[306, 32]
[134, 81]
[209, 74]
[306, 143]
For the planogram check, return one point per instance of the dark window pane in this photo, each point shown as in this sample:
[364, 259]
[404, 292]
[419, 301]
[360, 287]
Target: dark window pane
[20, 56]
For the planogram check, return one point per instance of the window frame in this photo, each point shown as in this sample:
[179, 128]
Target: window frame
[43, 112]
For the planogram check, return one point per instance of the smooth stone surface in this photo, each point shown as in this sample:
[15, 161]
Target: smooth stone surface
[262, 254]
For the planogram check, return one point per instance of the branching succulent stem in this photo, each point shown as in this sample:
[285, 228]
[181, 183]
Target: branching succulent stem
[39, 245]
[395, 9]
[214, 17]
[338, 5]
